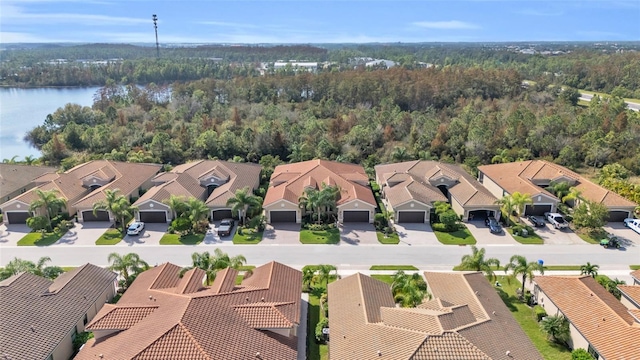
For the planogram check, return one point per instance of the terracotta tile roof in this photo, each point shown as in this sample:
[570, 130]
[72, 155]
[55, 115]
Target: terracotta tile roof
[636, 314]
[418, 180]
[14, 177]
[597, 314]
[365, 324]
[522, 176]
[636, 274]
[288, 181]
[120, 318]
[632, 292]
[191, 282]
[34, 321]
[204, 324]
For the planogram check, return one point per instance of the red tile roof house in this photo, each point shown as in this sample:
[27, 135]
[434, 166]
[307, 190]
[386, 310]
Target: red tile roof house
[599, 323]
[212, 181]
[631, 293]
[288, 183]
[16, 179]
[532, 176]
[83, 186]
[165, 316]
[466, 319]
[412, 187]
[636, 277]
[39, 318]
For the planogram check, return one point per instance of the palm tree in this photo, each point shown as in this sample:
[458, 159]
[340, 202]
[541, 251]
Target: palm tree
[10, 161]
[409, 290]
[110, 202]
[31, 160]
[310, 201]
[50, 202]
[589, 269]
[127, 266]
[559, 188]
[198, 211]
[298, 152]
[211, 264]
[329, 195]
[324, 273]
[477, 262]
[307, 277]
[502, 157]
[573, 195]
[177, 205]
[519, 266]
[507, 207]
[400, 154]
[242, 201]
[556, 327]
[519, 202]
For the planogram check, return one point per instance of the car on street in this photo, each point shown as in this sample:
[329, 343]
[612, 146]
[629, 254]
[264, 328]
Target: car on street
[135, 228]
[225, 227]
[493, 225]
[633, 224]
[557, 220]
[536, 220]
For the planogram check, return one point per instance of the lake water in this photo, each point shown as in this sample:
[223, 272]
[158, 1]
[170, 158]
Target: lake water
[23, 109]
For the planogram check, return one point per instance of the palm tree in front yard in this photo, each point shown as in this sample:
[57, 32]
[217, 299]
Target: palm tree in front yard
[127, 266]
[117, 205]
[589, 269]
[242, 201]
[507, 207]
[409, 290]
[477, 262]
[520, 201]
[48, 201]
[519, 266]
[177, 204]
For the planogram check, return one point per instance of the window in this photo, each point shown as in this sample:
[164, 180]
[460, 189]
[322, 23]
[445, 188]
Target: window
[75, 333]
[85, 320]
[50, 357]
[593, 352]
[480, 177]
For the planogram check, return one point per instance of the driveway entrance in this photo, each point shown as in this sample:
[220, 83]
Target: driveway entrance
[281, 233]
[416, 234]
[483, 235]
[358, 234]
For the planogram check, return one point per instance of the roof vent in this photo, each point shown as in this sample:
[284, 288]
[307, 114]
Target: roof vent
[262, 299]
[101, 356]
[150, 297]
[476, 292]
[247, 298]
[493, 312]
[258, 355]
[508, 353]
[379, 353]
[32, 328]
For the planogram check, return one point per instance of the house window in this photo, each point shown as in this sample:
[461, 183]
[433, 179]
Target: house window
[480, 177]
[50, 357]
[75, 333]
[85, 320]
[593, 352]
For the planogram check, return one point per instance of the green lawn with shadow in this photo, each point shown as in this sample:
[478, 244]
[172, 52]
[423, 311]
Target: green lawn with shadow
[38, 239]
[175, 239]
[330, 236]
[248, 237]
[388, 239]
[531, 239]
[459, 237]
[110, 237]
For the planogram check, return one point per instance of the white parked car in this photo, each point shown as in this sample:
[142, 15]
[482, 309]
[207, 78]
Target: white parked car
[135, 228]
[633, 224]
[557, 220]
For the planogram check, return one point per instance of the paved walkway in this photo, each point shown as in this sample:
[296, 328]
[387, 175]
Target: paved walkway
[9, 236]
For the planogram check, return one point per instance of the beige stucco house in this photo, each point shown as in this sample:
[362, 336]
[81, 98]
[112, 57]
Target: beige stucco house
[411, 188]
[16, 179]
[356, 202]
[40, 317]
[532, 176]
[212, 181]
[598, 322]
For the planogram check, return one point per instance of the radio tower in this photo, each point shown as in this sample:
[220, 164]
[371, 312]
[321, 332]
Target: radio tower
[155, 26]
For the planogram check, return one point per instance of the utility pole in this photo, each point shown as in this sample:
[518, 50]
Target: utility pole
[155, 26]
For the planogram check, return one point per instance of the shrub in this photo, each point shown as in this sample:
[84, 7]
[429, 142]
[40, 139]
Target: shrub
[540, 312]
[81, 339]
[450, 220]
[439, 227]
[321, 325]
[379, 221]
[181, 224]
[581, 354]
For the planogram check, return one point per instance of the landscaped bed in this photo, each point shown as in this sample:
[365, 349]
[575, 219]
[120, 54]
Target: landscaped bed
[329, 236]
[248, 237]
[394, 267]
[531, 239]
[37, 239]
[459, 237]
[175, 239]
[110, 237]
[387, 239]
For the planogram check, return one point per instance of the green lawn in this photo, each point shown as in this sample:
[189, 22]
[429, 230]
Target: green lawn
[530, 239]
[68, 268]
[587, 237]
[526, 317]
[391, 239]
[246, 267]
[393, 267]
[36, 239]
[561, 267]
[248, 237]
[330, 236]
[384, 278]
[175, 239]
[634, 267]
[110, 237]
[460, 237]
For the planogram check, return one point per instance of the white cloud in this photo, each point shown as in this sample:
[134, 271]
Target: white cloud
[445, 25]
[14, 15]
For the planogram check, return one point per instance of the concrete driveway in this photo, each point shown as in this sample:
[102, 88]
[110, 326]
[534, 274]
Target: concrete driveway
[84, 233]
[281, 234]
[416, 234]
[627, 236]
[212, 238]
[358, 234]
[483, 235]
[151, 235]
[11, 234]
[555, 236]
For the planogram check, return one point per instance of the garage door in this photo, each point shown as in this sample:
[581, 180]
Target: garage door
[480, 215]
[411, 216]
[355, 216]
[99, 216]
[618, 216]
[19, 217]
[282, 216]
[153, 216]
[537, 210]
[221, 214]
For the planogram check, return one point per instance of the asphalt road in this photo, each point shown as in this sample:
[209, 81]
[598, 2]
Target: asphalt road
[631, 105]
[343, 256]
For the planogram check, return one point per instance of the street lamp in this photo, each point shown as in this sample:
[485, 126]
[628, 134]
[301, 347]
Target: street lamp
[155, 26]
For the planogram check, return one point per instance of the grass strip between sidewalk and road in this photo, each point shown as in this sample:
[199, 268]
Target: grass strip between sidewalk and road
[634, 267]
[175, 239]
[329, 236]
[110, 237]
[459, 237]
[531, 239]
[394, 267]
[37, 239]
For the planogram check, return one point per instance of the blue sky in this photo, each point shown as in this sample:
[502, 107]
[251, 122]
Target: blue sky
[303, 21]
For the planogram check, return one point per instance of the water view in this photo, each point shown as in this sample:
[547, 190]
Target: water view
[23, 109]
